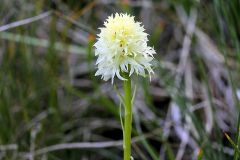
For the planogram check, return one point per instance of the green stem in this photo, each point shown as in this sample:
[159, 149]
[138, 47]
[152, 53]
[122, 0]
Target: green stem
[128, 117]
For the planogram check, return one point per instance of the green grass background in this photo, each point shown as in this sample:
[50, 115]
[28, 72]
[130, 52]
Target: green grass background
[49, 94]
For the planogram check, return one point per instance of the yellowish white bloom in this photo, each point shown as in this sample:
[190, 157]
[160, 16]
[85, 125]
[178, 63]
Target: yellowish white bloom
[122, 43]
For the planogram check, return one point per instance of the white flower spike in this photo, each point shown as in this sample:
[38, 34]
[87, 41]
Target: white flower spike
[122, 43]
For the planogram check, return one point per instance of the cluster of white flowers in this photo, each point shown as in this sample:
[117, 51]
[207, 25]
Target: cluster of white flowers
[122, 47]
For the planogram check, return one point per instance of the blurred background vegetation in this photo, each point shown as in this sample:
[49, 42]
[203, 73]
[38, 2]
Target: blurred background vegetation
[53, 107]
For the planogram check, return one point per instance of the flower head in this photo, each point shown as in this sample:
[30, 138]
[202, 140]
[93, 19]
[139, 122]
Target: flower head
[122, 47]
